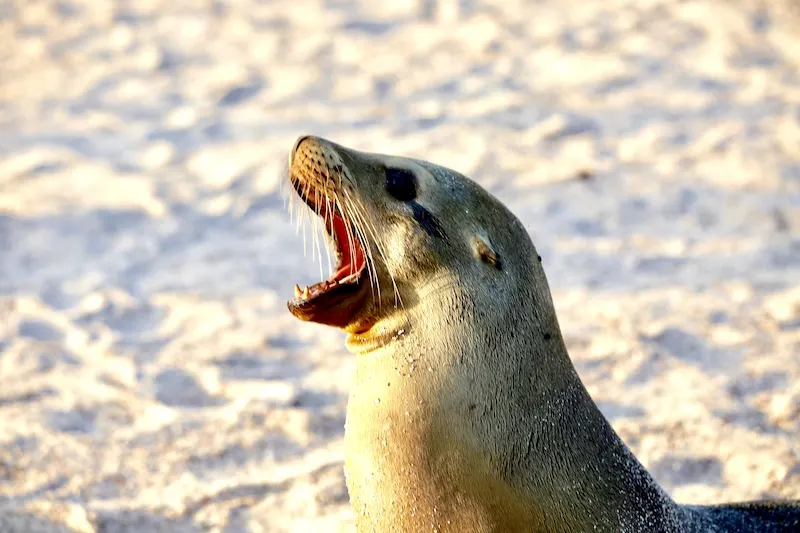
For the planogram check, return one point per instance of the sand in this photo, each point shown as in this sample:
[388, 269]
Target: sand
[151, 378]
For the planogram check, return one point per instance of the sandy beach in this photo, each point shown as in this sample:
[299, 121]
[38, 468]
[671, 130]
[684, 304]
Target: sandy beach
[151, 378]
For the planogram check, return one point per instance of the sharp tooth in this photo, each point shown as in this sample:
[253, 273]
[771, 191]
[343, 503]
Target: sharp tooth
[297, 292]
[306, 293]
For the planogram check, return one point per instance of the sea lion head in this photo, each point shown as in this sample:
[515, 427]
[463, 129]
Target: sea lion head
[406, 231]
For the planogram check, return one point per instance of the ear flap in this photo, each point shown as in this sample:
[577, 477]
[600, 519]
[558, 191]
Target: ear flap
[486, 253]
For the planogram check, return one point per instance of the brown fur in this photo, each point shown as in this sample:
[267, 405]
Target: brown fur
[466, 414]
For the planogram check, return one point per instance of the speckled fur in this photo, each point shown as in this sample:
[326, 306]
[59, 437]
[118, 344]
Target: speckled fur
[466, 414]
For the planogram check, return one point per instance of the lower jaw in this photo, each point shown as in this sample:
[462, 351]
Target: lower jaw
[336, 308]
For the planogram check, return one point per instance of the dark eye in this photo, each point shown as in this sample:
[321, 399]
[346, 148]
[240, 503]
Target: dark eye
[401, 184]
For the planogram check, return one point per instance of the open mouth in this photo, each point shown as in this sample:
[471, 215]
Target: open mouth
[336, 300]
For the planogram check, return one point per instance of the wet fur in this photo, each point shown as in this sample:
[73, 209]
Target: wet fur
[466, 413]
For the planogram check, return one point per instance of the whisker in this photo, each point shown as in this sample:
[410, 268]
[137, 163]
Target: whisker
[314, 222]
[288, 204]
[307, 212]
[348, 226]
[358, 224]
[317, 232]
[329, 213]
[351, 237]
[369, 259]
[328, 222]
[362, 223]
[295, 213]
[367, 228]
[282, 186]
[371, 228]
[373, 231]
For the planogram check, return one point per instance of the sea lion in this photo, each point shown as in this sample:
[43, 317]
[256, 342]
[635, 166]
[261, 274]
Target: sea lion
[467, 414]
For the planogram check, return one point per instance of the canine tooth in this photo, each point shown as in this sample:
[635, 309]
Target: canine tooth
[306, 293]
[297, 293]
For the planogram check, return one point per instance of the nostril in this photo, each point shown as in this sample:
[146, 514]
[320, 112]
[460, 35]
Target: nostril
[296, 146]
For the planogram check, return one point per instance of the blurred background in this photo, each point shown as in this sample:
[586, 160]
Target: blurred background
[151, 378]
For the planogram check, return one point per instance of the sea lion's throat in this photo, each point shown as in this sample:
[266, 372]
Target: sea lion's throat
[520, 422]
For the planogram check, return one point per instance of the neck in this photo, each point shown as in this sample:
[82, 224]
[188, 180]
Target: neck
[506, 420]
[574, 469]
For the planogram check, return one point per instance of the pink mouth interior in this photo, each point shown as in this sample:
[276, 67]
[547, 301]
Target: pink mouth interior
[352, 256]
[337, 300]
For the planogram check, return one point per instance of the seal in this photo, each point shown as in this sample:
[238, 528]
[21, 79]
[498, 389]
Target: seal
[466, 413]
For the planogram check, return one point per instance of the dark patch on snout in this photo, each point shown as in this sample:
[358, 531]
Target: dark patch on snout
[427, 220]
